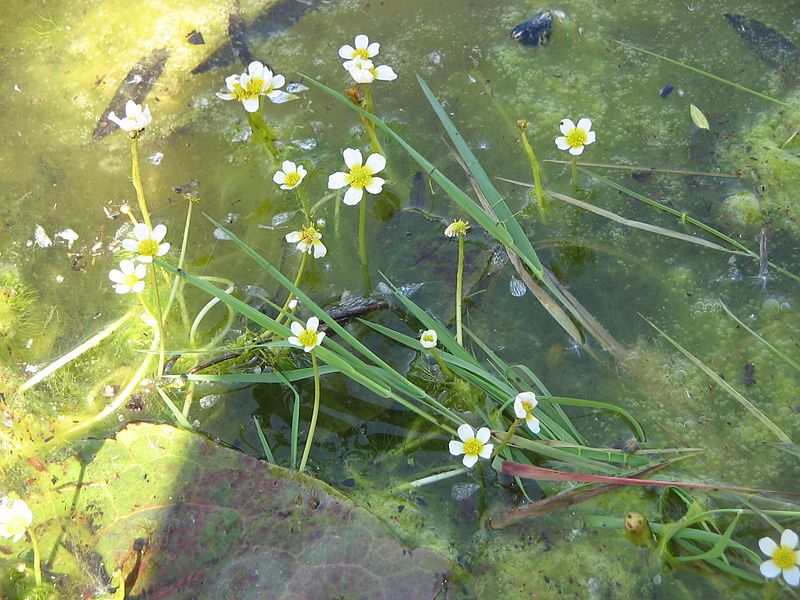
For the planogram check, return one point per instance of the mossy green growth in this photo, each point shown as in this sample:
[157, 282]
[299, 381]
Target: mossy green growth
[741, 212]
[16, 306]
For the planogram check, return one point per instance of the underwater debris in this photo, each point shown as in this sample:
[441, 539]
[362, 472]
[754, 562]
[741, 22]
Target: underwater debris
[536, 31]
[769, 45]
[134, 87]
[275, 19]
[666, 90]
[195, 38]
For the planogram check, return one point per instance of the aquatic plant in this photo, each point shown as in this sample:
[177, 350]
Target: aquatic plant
[472, 444]
[129, 277]
[784, 558]
[146, 244]
[16, 518]
[136, 118]
[573, 139]
[458, 229]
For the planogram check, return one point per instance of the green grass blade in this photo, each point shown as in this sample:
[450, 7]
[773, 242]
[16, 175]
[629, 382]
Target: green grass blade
[295, 432]
[623, 414]
[267, 377]
[451, 189]
[726, 386]
[733, 84]
[263, 439]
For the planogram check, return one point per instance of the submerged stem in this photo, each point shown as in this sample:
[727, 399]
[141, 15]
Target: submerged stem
[297, 281]
[37, 559]
[136, 176]
[313, 426]
[507, 438]
[459, 282]
[362, 243]
[536, 170]
[265, 134]
[575, 174]
[160, 323]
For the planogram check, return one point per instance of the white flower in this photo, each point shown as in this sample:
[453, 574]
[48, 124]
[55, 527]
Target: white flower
[257, 81]
[290, 175]
[363, 49]
[428, 339]
[362, 70]
[308, 240]
[147, 244]
[306, 338]
[456, 228]
[15, 518]
[293, 303]
[784, 558]
[129, 277]
[575, 137]
[524, 404]
[472, 445]
[360, 177]
[137, 117]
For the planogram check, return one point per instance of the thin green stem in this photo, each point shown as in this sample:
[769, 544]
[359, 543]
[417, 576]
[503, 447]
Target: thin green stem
[37, 558]
[362, 243]
[303, 198]
[159, 321]
[507, 438]
[438, 358]
[284, 310]
[313, 426]
[536, 170]
[136, 176]
[181, 258]
[459, 284]
[264, 133]
[368, 125]
[575, 174]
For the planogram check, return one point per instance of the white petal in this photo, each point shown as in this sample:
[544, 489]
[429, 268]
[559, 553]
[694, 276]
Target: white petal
[362, 41]
[140, 271]
[576, 151]
[224, 96]
[163, 249]
[320, 337]
[115, 119]
[293, 237]
[127, 266]
[769, 569]
[304, 246]
[279, 97]
[767, 545]
[319, 250]
[142, 258]
[373, 49]
[361, 75]
[352, 157]
[130, 245]
[296, 327]
[375, 185]
[465, 432]
[116, 275]
[288, 166]
[141, 231]
[562, 143]
[483, 434]
[519, 410]
[533, 424]
[277, 81]
[566, 126]
[486, 451]
[376, 162]
[585, 124]
[301, 170]
[131, 108]
[294, 341]
[337, 181]
[789, 538]
[385, 73]
[250, 104]
[456, 448]
[469, 460]
[347, 52]
[792, 576]
[353, 196]
[312, 323]
[590, 137]
[159, 231]
[138, 287]
[255, 68]
[279, 177]
[121, 288]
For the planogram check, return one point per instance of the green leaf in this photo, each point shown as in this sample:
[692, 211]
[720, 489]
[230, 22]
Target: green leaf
[698, 118]
[218, 523]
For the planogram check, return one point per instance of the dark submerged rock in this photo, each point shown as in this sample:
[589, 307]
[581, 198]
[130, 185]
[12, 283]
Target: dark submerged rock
[536, 31]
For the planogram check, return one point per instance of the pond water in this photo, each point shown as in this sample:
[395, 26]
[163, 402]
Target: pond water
[61, 63]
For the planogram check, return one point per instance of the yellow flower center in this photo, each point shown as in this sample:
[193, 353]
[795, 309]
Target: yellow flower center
[309, 234]
[460, 227]
[292, 179]
[130, 280]
[255, 86]
[427, 338]
[240, 93]
[528, 407]
[359, 176]
[147, 247]
[473, 447]
[576, 138]
[308, 337]
[361, 53]
[784, 557]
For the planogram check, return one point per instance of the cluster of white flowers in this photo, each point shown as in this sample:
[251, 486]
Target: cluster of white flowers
[248, 87]
[145, 244]
[358, 61]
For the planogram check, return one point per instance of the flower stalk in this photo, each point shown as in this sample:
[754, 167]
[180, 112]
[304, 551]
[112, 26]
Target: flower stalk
[313, 425]
[265, 134]
[298, 278]
[536, 170]
[136, 176]
[37, 558]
